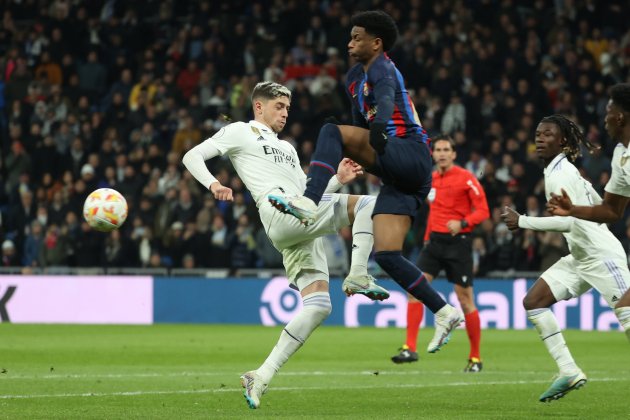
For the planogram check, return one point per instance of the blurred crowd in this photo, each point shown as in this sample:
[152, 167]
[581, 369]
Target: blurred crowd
[107, 93]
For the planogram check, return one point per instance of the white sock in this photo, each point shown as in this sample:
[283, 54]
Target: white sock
[547, 326]
[362, 235]
[316, 309]
[623, 315]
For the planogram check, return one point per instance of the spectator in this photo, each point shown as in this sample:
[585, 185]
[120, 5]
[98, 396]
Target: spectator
[10, 257]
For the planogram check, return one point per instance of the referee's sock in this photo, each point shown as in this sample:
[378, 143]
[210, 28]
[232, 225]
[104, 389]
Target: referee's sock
[410, 278]
[328, 153]
[415, 313]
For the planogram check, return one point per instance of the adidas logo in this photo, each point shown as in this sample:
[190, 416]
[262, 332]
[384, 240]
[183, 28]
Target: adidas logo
[260, 138]
[614, 298]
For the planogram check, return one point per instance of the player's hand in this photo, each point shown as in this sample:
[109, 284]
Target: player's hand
[560, 205]
[510, 218]
[348, 170]
[378, 137]
[220, 192]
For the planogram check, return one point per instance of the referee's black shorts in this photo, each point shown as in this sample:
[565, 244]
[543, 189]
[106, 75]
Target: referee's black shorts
[451, 253]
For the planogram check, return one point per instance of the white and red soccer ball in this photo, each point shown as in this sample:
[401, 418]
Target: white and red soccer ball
[105, 209]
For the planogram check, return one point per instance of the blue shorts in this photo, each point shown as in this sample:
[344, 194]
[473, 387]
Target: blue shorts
[405, 169]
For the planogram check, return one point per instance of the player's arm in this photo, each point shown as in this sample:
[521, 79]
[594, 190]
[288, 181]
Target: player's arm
[195, 161]
[514, 220]
[384, 92]
[610, 210]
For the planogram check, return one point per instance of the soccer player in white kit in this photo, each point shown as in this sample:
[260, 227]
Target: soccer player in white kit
[597, 259]
[266, 165]
[617, 190]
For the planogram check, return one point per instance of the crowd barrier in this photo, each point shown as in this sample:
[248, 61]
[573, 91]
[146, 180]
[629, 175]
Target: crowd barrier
[259, 301]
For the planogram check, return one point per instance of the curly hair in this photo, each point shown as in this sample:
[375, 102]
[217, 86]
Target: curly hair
[572, 133]
[620, 95]
[378, 24]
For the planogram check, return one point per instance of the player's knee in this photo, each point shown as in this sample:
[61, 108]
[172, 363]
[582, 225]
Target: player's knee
[388, 260]
[531, 302]
[319, 307]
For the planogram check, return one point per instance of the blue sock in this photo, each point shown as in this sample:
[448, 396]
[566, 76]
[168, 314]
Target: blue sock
[410, 278]
[328, 153]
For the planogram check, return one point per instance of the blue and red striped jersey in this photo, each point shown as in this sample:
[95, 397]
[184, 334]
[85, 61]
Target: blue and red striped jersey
[404, 121]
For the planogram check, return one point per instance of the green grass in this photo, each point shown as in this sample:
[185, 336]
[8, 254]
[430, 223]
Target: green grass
[191, 371]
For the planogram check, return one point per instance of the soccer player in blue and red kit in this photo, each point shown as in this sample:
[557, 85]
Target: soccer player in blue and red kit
[388, 140]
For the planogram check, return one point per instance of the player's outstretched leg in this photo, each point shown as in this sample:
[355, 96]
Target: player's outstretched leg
[326, 158]
[316, 309]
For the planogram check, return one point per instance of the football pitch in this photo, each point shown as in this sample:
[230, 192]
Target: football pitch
[192, 371]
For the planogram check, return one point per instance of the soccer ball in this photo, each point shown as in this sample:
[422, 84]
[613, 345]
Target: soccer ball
[105, 209]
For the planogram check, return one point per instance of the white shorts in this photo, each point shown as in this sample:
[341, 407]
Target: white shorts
[569, 278]
[301, 246]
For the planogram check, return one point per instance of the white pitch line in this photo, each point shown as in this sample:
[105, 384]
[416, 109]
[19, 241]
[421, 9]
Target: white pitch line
[281, 389]
[289, 373]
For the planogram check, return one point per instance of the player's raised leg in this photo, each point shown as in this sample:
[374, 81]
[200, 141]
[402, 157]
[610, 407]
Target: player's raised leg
[389, 234]
[537, 302]
[316, 309]
[359, 281]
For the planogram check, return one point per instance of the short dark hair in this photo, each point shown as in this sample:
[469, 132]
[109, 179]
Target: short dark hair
[270, 90]
[442, 137]
[620, 95]
[378, 24]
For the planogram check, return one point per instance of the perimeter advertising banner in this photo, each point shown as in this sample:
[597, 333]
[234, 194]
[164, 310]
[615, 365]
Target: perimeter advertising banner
[76, 299]
[272, 302]
[145, 300]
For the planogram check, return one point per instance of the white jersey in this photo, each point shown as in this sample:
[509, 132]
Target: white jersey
[619, 182]
[587, 241]
[261, 160]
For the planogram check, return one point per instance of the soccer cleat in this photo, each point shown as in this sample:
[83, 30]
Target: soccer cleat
[444, 326]
[562, 385]
[405, 355]
[474, 365]
[297, 206]
[254, 388]
[364, 285]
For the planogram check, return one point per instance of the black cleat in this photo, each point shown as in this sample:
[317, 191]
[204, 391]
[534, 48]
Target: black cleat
[474, 365]
[405, 356]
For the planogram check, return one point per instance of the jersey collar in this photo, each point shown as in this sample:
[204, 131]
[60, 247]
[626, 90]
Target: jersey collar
[262, 127]
[555, 162]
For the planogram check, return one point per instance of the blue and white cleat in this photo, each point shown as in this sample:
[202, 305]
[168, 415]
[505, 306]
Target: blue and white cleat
[297, 206]
[444, 326]
[254, 388]
[364, 285]
[562, 385]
